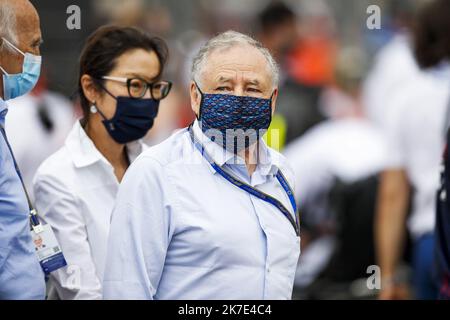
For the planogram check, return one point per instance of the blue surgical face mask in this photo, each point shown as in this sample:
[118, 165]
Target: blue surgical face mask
[234, 122]
[16, 85]
[132, 120]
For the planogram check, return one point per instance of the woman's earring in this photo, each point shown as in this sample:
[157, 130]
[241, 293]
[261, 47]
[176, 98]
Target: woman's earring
[93, 108]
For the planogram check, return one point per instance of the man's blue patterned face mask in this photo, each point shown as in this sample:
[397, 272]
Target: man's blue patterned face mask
[234, 122]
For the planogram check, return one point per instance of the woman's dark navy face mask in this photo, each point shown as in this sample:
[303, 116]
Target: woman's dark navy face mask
[132, 120]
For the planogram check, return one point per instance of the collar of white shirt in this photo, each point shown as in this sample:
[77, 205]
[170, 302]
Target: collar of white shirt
[84, 153]
[268, 163]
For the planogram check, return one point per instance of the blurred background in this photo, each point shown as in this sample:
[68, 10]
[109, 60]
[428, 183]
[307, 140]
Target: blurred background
[305, 37]
[341, 112]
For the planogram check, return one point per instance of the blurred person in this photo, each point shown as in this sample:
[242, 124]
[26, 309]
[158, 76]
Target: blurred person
[311, 62]
[21, 276]
[119, 12]
[154, 18]
[277, 24]
[442, 230]
[120, 90]
[219, 15]
[191, 221]
[344, 150]
[398, 19]
[48, 117]
[298, 102]
[416, 143]
[432, 49]
[394, 65]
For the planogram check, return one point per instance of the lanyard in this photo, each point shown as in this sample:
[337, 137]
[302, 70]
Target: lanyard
[255, 192]
[33, 213]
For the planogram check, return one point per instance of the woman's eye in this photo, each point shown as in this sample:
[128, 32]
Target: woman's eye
[136, 85]
[223, 89]
[254, 90]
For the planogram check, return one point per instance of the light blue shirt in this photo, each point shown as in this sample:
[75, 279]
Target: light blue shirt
[181, 231]
[21, 276]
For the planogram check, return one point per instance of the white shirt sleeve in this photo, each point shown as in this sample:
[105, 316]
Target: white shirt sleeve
[140, 233]
[58, 207]
[396, 133]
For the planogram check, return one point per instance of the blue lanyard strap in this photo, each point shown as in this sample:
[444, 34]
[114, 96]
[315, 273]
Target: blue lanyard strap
[33, 213]
[255, 192]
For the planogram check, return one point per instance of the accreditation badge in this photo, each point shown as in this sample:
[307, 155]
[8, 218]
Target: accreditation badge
[47, 248]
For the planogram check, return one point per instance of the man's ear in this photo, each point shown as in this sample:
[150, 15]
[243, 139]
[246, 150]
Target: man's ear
[274, 100]
[196, 98]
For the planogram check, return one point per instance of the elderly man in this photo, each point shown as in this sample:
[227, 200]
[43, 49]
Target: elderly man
[21, 276]
[209, 213]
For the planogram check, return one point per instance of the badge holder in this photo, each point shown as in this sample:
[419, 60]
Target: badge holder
[46, 246]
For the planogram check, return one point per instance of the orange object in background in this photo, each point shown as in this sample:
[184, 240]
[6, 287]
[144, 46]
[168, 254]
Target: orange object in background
[312, 61]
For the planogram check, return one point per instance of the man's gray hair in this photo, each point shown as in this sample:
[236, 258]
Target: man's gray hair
[8, 25]
[227, 40]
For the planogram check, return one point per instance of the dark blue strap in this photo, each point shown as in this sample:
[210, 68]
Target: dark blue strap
[287, 188]
[255, 192]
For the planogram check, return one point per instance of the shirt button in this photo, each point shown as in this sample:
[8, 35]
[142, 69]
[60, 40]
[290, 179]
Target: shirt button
[443, 195]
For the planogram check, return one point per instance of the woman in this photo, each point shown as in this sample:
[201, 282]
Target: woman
[120, 90]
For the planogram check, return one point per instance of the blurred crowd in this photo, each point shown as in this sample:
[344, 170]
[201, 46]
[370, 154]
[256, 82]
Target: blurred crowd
[360, 117]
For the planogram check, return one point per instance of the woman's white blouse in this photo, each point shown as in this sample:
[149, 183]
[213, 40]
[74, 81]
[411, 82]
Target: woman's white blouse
[75, 190]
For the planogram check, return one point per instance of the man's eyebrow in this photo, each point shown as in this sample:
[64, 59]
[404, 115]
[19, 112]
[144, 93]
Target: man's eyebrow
[223, 79]
[255, 82]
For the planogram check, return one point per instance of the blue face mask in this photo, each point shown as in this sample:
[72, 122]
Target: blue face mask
[132, 120]
[234, 122]
[16, 85]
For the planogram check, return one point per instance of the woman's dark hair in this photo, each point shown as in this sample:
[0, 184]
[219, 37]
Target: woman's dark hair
[105, 45]
[432, 33]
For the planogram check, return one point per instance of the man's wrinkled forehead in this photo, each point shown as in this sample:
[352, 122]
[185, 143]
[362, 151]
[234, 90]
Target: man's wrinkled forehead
[236, 71]
[237, 62]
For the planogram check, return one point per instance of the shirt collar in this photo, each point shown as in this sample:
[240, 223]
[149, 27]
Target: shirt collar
[267, 163]
[84, 153]
[218, 154]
